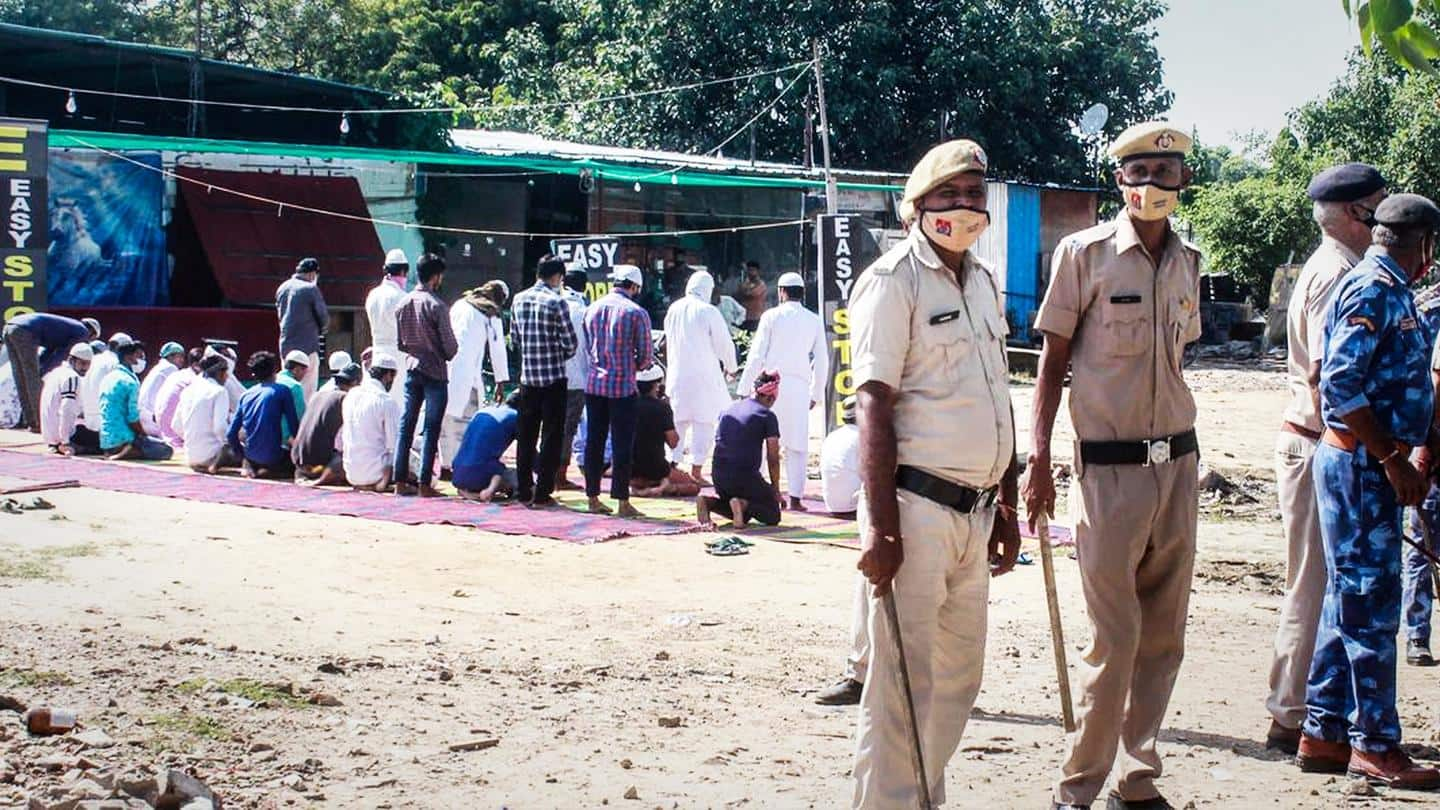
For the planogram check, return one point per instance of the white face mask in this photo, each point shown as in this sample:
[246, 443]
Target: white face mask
[1151, 202]
[138, 366]
[954, 229]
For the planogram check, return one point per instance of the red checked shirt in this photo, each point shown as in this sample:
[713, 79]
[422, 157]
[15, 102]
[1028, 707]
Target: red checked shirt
[617, 332]
[425, 333]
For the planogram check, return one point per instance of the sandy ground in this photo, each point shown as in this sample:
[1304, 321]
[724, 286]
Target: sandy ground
[152, 617]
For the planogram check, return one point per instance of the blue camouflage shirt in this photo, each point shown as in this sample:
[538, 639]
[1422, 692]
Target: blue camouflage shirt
[1377, 352]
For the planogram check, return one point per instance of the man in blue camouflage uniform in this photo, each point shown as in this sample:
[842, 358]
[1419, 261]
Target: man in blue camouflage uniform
[1377, 402]
[1419, 582]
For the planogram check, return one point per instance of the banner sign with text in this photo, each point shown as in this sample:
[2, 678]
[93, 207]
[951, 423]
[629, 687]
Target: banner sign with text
[597, 256]
[846, 249]
[25, 239]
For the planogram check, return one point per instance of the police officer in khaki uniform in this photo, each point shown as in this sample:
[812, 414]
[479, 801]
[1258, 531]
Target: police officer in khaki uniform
[937, 466]
[1121, 307]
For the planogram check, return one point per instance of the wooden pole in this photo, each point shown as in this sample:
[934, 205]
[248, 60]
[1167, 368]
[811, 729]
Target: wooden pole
[1057, 632]
[832, 201]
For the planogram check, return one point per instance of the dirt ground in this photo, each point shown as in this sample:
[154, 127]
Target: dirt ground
[196, 635]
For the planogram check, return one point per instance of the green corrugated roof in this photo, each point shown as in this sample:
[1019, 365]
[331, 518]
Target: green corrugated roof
[69, 139]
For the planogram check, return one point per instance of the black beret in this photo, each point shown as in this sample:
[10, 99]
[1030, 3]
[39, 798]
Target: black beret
[1347, 182]
[308, 265]
[349, 374]
[1408, 211]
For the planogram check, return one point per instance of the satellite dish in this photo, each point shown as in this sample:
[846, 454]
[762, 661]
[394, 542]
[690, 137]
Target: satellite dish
[1094, 119]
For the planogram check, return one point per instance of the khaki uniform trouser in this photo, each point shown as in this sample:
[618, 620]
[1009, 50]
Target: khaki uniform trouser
[858, 661]
[1135, 542]
[1305, 580]
[940, 598]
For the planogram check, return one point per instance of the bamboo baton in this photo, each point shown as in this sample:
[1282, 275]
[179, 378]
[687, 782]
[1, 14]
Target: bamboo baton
[921, 782]
[1057, 633]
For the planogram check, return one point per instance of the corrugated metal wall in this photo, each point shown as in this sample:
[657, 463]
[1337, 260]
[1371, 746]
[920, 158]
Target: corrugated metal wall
[1022, 271]
[994, 244]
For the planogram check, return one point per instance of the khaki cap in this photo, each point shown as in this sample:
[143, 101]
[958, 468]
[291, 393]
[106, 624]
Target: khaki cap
[1150, 138]
[940, 164]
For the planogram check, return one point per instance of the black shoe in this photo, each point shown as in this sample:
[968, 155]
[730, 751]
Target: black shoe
[1417, 654]
[845, 693]
[1280, 738]
[1117, 803]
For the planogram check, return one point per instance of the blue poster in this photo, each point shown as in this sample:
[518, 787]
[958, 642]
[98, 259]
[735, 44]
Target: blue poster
[107, 232]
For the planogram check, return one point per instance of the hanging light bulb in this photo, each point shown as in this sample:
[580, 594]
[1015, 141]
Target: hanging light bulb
[774, 114]
[530, 183]
[779, 85]
[637, 186]
[345, 123]
[70, 104]
[674, 179]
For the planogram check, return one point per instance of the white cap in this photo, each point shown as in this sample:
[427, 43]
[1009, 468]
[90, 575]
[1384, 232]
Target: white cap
[651, 374]
[627, 273]
[120, 339]
[339, 360]
[82, 351]
[790, 280]
[297, 356]
[383, 360]
[396, 256]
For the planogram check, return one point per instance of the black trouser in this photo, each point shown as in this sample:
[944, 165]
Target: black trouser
[761, 504]
[615, 417]
[85, 442]
[542, 416]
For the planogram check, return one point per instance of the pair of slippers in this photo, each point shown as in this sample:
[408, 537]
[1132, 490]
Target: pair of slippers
[10, 506]
[731, 546]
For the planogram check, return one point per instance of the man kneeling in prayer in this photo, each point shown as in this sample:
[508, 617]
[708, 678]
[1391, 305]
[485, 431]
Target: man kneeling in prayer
[744, 427]
[202, 418]
[476, 470]
[653, 476]
[265, 416]
[316, 450]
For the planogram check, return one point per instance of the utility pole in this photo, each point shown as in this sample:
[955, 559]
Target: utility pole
[832, 202]
[195, 80]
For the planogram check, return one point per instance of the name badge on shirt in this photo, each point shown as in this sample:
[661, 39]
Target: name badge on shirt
[945, 317]
[1125, 299]
[1407, 323]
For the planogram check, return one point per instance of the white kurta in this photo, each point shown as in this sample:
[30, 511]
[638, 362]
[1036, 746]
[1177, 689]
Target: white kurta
[104, 363]
[791, 340]
[149, 393]
[700, 353]
[380, 306]
[370, 431]
[478, 335]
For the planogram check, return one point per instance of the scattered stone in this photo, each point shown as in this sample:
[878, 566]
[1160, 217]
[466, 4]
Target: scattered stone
[94, 738]
[632, 792]
[331, 668]
[474, 745]
[670, 722]
[56, 762]
[626, 764]
[13, 704]
[181, 788]
[1360, 787]
[662, 656]
[445, 675]
[324, 699]
[258, 747]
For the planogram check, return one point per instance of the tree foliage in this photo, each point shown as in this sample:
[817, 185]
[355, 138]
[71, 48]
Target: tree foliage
[1015, 79]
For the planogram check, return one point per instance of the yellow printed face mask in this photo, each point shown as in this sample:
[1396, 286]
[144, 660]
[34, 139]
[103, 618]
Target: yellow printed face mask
[955, 229]
[1150, 202]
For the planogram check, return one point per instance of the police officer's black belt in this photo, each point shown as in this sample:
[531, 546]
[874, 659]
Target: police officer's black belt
[946, 493]
[1144, 452]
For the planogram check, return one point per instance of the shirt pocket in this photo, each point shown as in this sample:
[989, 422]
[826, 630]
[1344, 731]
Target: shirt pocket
[944, 334]
[1127, 326]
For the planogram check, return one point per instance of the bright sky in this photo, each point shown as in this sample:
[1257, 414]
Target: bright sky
[1241, 65]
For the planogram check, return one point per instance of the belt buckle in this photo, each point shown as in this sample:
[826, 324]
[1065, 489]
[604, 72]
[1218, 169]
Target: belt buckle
[1157, 451]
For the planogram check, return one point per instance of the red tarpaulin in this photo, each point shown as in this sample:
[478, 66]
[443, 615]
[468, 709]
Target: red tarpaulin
[251, 247]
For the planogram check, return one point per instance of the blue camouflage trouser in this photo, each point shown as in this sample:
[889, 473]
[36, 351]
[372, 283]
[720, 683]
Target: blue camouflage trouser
[1351, 693]
[1419, 586]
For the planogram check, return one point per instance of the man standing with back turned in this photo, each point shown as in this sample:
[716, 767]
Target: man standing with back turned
[423, 325]
[937, 458]
[1121, 307]
[1344, 200]
[1377, 402]
[303, 316]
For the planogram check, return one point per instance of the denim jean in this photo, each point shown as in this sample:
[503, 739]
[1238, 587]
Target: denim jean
[1419, 584]
[614, 418]
[434, 395]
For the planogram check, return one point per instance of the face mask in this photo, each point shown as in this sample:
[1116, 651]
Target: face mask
[138, 366]
[1151, 202]
[1369, 220]
[955, 229]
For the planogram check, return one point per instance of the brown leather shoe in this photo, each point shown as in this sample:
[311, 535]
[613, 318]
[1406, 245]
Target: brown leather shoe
[1315, 755]
[1393, 769]
[1280, 738]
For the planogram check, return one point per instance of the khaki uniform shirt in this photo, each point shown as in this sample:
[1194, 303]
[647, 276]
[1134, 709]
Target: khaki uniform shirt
[942, 349]
[1129, 320]
[1305, 325]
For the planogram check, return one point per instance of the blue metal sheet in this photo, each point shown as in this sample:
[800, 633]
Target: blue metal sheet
[1022, 270]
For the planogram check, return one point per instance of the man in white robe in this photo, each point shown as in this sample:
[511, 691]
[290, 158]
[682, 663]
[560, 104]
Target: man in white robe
[701, 355]
[380, 306]
[480, 333]
[791, 340]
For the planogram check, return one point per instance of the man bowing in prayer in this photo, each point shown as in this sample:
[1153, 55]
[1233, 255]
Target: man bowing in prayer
[701, 353]
[791, 340]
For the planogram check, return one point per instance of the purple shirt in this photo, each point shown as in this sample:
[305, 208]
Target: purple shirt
[617, 332]
[740, 440]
